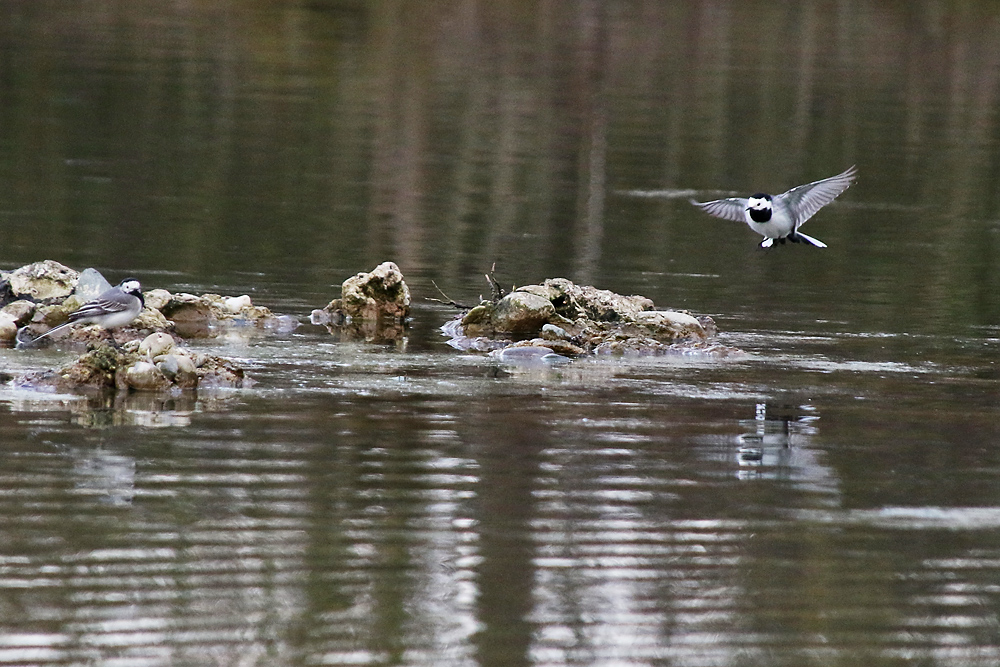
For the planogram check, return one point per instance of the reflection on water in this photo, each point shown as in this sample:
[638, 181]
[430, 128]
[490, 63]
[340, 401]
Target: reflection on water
[769, 449]
[120, 409]
[107, 476]
[830, 497]
[586, 515]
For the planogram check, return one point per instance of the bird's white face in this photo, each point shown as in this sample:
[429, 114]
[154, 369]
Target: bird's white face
[759, 203]
[131, 286]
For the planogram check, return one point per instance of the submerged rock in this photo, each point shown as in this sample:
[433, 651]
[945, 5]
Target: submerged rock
[573, 320]
[156, 363]
[528, 355]
[372, 306]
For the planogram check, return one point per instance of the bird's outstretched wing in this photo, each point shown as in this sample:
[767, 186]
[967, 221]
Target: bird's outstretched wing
[733, 208]
[806, 199]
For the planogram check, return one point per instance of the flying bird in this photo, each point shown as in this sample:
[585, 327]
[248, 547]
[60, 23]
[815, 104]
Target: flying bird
[778, 217]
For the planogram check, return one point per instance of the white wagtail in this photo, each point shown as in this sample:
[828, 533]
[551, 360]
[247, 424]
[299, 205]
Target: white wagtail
[114, 308]
[778, 218]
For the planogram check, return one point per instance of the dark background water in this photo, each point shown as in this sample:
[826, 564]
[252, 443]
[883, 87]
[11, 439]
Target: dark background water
[832, 497]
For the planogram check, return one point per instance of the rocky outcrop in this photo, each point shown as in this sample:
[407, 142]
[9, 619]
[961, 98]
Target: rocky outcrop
[42, 281]
[372, 306]
[574, 320]
[202, 316]
[41, 296]
[157, 363]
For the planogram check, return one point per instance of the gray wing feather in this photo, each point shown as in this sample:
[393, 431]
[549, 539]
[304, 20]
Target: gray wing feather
[733, 208]
[109, 302]
[811, 197]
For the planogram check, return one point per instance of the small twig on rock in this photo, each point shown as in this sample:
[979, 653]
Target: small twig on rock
[498, 292]
[448, 300]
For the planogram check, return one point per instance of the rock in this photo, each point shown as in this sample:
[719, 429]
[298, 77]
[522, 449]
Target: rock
[372, 307]
[167, 364]
[380, 294]
[106, 368]
[552, 332]
[156, 363]
[52, 291]
[186, 375]
[201, 316]
[20, 311]
[151, 319]
[479, 321]
[15, 314]
[573, 320]
[156, 344]
[156, 298]
[144, 376]
[320, 317]
[42, 281]
[219, 373]
[671, 325]
[180, 368]
[235, 304]
[522, 312]
[562, 347]
[574, 301]
[90, 285]
[55, 314]
[282, 323]
[95, 369]
[8, 327]
[187, 308]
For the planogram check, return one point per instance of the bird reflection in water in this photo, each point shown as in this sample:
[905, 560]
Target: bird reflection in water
[104, 475]
[769, 449]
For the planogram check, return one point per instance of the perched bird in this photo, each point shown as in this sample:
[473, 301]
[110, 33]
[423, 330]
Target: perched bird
[778, 218]
[114, 308]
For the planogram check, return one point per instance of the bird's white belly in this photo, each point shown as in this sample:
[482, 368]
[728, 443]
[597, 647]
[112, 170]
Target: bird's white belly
[113, 321]
[775, 228]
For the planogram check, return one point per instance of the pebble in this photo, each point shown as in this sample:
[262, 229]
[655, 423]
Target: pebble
[156, 344]
[235, 304]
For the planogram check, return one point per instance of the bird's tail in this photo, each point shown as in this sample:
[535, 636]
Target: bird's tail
[21, 343]
[799, 236]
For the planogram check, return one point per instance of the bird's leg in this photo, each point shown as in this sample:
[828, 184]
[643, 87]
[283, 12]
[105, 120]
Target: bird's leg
[111, 337]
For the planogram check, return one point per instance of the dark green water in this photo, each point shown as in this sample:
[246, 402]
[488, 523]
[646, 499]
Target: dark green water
[830, 498]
